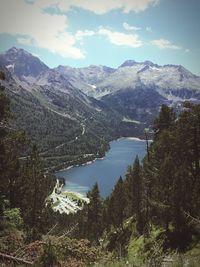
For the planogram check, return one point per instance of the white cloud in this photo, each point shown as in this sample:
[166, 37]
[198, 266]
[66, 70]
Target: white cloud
[100, 7]
[187, 50]
[149, 29]
[81, 34]
[163, 44]
[30, 22]
[130, 28]
[25, 40]
[45, 30]
[122, 39]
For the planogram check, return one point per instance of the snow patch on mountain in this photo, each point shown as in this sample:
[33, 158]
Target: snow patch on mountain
[11, 66]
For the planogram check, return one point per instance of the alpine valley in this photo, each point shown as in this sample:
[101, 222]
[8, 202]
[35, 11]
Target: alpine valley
[73, 113]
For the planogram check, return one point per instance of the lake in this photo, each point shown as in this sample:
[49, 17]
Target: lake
[104, 171]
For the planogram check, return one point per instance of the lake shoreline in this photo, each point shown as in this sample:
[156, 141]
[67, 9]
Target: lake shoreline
[81, 164]
[104, 170]
[100, 158]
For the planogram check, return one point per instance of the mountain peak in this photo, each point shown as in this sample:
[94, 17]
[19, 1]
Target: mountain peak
[128, 63]
[131, 63]
[22, 63]
[148, 63]
[12, 49]
[17, 51]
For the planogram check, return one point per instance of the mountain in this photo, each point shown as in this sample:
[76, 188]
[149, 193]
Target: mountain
[167, 79]
[139, 89]
[131, 63]
[86, 79]
[72, 113]
[136, 89]
[140, 105]
[67, 125]
[173, 82]
[21, 63]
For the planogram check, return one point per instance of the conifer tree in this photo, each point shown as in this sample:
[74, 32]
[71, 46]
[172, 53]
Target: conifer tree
[94, 215]
[117, 204]
[165, 119]
[36, 188]
[134, 189]
[171, 176]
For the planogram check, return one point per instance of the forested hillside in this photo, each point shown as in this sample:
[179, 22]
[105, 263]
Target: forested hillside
[68, 127]
[151, 217]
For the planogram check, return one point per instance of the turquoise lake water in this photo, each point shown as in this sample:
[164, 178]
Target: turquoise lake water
[104, 171]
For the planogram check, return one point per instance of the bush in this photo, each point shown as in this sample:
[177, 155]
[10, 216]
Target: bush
[48, 258]
[13, 216]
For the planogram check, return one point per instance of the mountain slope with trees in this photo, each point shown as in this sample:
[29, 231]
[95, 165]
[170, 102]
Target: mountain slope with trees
[54, 106]
[54, 114]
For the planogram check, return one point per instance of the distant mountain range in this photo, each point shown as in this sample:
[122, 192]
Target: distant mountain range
[54, 106]
[169, 80]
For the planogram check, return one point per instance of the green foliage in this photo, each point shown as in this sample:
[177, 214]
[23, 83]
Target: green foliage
[4, 104]
[165, 119]
[24, 186]
[117, 204]
[13, 216]
[135, 251]
[171, 174]
[191, 258]
[4, 116]
[35, 188]
[94, 215]
[134, 193]
[113, 263]
[149, 251]
[64, 251]
[48, 257]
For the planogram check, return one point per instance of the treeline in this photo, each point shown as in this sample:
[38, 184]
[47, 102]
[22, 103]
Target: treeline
[24, 185]
[56, 135]
[162, 192]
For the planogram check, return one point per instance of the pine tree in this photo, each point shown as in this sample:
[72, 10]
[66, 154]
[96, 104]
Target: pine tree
[171, 175]
[165, 119]
[134, 189]
[117, 204]
[94, 215]
[36, 188]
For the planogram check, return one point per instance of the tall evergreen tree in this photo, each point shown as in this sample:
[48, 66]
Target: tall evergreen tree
[94, 215]
[36, 187]
[134, 189]
[165, 119]
[171, 175]
[117, 204]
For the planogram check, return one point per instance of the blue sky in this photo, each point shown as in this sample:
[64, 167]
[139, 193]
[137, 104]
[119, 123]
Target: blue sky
[107, 32]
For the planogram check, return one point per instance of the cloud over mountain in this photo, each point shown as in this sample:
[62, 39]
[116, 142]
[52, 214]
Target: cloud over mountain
[163, 44]
[46, 30]
[120, 38]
